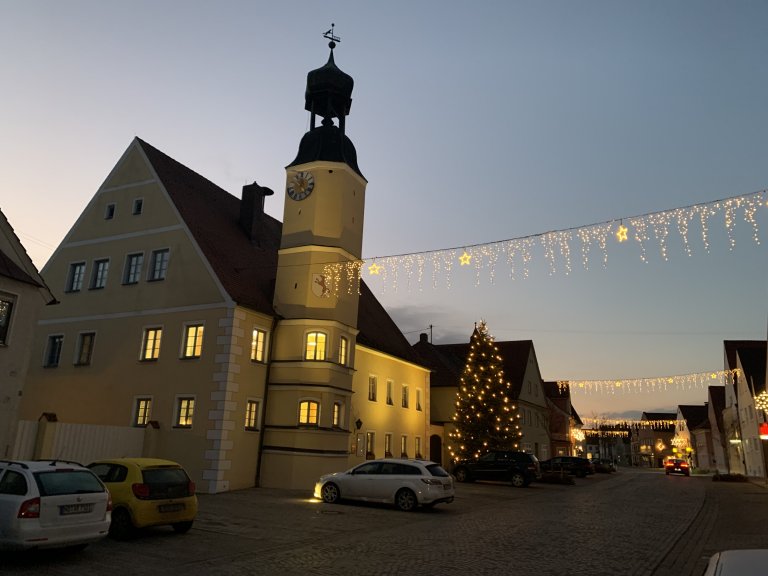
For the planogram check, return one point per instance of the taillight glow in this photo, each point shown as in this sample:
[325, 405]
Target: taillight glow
[30, 509]
[191, 488]
[109, 502]
[141, 491]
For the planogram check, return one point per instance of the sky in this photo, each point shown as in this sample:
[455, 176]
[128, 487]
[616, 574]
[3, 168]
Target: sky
[474, 122]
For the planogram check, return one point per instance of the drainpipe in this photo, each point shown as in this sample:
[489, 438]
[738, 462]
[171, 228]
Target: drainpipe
[275, 318]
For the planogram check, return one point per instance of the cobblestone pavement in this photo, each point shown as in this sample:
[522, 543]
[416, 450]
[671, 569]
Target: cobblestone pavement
[635, 522]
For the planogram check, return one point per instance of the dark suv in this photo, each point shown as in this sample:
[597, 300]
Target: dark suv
[517, 468]
[569, 465]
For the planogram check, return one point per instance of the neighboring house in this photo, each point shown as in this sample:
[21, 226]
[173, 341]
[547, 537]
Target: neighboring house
[693, 439]
[652, 438]
[740, 418]
[578, 437]
[23, 293]
[716, 406]
[559, 405]
[520, 367]
[194, 326]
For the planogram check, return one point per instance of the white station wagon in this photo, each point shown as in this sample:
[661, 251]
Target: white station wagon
[50, 504]
[405, 483]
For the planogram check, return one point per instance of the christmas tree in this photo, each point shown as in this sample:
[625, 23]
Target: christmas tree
[486, 418]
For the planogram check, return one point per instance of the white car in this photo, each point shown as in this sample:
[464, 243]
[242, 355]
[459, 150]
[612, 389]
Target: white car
[737, 563]
[50, 504]
[402, 482]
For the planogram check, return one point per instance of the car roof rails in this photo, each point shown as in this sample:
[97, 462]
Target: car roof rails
[55, 461]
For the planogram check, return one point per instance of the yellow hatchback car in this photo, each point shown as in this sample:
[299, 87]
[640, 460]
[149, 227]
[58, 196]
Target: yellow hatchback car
[147, 492]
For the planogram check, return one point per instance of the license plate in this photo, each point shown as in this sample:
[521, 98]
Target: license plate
[68, 509]
[170, 507]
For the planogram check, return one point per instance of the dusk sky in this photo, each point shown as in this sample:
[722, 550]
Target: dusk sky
[474, 122]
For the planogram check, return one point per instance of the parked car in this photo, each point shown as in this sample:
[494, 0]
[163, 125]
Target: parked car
[517, 468]
[603, 465]
[575, 465]
[402, 482]
[51, 503]
[147, 492]
[737, 563]
[677, 466]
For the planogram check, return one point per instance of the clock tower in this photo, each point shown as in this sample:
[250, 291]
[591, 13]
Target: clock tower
[307, 428]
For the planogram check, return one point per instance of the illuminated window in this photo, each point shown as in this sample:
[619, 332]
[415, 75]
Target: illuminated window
[193, 341]
[133, 265]
[150, 346]
[6, 308]
[390, 401]
[418, 398]
[142, 411]
[404, 446]
[343, 350]
[387, 445]
[418, 447]
[405, 396]
[185, 411]
[258, 338]
[100, 272]
[309, 411]
[337, 414]
[252, 415]
[370, 444]
[53, 351]
[315, 349]
[75, 278]
[158, 265]
[373, 385]
[85, 348]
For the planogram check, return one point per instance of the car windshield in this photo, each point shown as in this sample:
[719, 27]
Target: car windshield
[437, 470]
[58, 482]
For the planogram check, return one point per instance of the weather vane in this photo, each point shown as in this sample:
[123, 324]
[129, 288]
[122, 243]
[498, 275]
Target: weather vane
[333, 39]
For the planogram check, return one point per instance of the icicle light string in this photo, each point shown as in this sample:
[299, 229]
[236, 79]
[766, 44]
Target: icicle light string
[518, 253]
[653, 385]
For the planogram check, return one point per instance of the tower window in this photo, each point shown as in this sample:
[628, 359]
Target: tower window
[309, 412]
[315, 346]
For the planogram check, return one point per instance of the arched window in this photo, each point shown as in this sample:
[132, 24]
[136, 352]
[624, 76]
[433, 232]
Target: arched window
[315, 346]
[309, 412]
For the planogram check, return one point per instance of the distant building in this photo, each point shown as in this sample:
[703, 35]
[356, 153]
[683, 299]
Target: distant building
[716, 406]
[23, 294]
[693, 439]
[652, 438]
[521, 368]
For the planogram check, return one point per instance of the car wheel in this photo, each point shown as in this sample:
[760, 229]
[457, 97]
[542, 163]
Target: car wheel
[121, 527]
[182, 527]
[462, 475]
[517, 480]
[330, 493]
[405, 500]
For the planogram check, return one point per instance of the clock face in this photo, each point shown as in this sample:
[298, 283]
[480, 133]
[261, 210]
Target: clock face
[300, 185]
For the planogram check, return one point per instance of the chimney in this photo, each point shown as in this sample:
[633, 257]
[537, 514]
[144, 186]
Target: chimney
[252, 210]
[424, 338]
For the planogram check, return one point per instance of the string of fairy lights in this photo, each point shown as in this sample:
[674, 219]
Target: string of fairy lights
[558, 248]
[652, 385]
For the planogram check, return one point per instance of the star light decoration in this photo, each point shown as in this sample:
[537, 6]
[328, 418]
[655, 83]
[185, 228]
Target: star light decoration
[761, 401]
[557, 248]
[652, 385]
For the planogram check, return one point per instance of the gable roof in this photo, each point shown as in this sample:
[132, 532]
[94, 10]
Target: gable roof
[717, 402]
[695, 416]
[246, 270]
[448, 360]
[752, 355]
[15, 263]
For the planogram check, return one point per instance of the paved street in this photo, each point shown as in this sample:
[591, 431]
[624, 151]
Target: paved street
[636, 522]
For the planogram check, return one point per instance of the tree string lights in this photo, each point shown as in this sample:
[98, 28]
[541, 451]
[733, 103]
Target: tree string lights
[517, 254]
[486, 419]
[658, 384]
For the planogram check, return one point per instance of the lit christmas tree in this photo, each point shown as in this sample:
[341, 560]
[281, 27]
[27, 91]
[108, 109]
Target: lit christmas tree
[486, 418]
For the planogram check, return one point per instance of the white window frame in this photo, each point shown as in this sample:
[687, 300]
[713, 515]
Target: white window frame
[133, 273]
[76, 276]
[136, 419]
[99, 274]
[343, 350]
[259, 345]
[320, 353]
[308, 421]
[187, 414]
[159, 261]
[197, 347]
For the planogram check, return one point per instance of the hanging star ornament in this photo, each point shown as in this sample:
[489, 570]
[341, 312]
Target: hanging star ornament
[621, 234]
[465, 258]
[374, 269]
